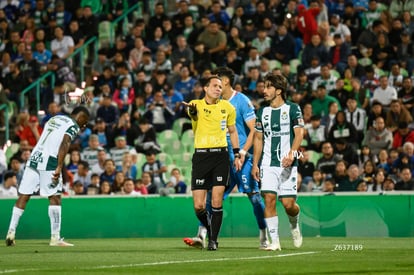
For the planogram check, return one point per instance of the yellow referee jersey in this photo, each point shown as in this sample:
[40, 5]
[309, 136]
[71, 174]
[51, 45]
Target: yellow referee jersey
[210, 129]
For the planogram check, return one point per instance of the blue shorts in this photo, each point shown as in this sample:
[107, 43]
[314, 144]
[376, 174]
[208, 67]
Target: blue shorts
[243, 179]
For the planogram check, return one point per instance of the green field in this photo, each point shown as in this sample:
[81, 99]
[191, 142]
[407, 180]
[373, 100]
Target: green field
[235, 256]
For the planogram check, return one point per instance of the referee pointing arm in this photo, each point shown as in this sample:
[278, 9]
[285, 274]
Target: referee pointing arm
[211, 118]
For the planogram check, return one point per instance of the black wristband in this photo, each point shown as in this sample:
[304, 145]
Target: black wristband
[236, 150]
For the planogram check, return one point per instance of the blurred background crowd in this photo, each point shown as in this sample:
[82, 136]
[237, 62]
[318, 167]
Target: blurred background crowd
[131, 63]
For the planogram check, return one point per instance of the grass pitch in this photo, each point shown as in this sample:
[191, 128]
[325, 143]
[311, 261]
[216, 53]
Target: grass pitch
[235, 256]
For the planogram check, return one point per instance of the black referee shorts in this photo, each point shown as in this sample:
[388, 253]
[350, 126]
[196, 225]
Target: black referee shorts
[211, 167]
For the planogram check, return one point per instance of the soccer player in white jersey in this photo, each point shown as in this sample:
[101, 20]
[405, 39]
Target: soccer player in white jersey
[279, 133]
[44, 168]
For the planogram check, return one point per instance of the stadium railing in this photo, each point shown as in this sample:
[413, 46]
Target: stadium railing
[37, 85]
[5, 107]
[136, 10]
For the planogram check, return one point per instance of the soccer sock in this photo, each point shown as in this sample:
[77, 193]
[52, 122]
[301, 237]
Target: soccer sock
[15, 218]
[203, 218]
[258, 209]
[202, 231]
[216, 221]
[273, 226]
[55, 212]
[293, 220]
[263, 235]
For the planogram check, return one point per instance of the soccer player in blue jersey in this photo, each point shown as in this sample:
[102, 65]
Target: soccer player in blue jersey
[245, 122]
[279, 133]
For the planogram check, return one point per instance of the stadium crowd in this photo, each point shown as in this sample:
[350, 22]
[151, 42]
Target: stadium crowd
[349, 65]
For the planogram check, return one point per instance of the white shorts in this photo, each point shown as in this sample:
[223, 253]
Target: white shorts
[33, 180]
[281, 181]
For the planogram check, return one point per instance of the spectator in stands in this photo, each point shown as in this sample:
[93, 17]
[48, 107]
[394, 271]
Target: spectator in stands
[135, 54]
[117, 152]
[147, 65]
[340, 93]
[125, 128]
[235, 41]
[182, 53]
[186, 83]
[342, 129]
[89, 25]
[176, 182]
[12, 43]
[327, 79]
[145, 185]
[105, 188]
[158, 17]
[14, 83]
[99, 167]
[42, 55]
[327, 162]
[383, 54]
[341, 168]
[283, 45]
[396, 114]
[384, 93]
[76, 33]
[402, 135]
[179, 17]
[346, 151]
[83, 175]
[129, 169]
[158, 112]
[62, 71]
[315, 134]
[320, 105]
[128, 188]
[118, 182]
[156, 170]
[219, 15]
[103, 132]
[202, 58]
[253, 60]
[174, 99]
[9, 186]
[216, 42]
[315, 48]
[124, 95]
[338, 53]
[378, 137]
[31, 131]
[306, 167]
[351, 182]
[406, 181]
[306, 22]
[406, 95]
[109, 172]
[316, 182]
[356, 116]
[262, 43]
[63, 45]
[17, 167]
[107, 111]
[395, 78]
[74, 159]
[90, 153]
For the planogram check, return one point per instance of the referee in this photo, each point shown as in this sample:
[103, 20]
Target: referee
[211, 117]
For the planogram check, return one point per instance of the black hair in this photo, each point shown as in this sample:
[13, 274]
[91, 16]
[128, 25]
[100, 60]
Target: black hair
[80, 109]
[210, 78]
[9, 174]
[225, 71]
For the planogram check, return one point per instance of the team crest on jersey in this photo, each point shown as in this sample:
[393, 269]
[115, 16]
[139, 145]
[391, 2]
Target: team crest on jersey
[223, 111]
[284, 116]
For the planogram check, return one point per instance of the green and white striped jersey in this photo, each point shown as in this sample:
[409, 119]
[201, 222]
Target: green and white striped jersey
[277, 126]
[44, 154]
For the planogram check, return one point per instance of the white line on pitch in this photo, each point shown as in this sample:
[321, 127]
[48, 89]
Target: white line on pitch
[7, 271]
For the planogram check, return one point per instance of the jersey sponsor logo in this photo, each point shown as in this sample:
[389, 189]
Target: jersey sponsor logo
[207, 111]
[279, 134]
[37, 157]
[223, 124]
[223, 111]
